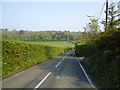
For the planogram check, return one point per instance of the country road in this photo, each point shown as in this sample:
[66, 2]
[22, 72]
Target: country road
[63, 71]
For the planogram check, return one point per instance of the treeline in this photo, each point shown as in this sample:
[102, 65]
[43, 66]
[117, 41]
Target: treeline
[19, 55]
[39, 35]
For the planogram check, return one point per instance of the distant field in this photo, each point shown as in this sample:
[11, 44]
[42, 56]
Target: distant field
[62, 44]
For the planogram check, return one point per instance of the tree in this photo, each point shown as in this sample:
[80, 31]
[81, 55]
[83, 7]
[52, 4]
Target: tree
[90, 31]
[21, 32]
[5, 29]
[113, 22]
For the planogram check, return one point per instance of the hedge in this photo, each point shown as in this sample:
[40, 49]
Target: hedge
[19, 55]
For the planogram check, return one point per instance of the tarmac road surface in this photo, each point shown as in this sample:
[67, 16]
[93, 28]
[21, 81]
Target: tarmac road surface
[63, 71]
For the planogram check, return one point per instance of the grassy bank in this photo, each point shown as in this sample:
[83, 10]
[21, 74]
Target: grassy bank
[102, 58]
[18, 55]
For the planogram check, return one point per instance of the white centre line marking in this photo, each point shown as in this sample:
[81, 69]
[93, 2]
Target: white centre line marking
[60, 61]
[85, 74]
[42, 81]
[58, 64]
[65, 56]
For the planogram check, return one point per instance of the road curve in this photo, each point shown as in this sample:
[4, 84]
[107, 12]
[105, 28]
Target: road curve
[62, 71]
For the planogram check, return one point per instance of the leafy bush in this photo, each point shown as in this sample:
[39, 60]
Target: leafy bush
[18, 55]
[102, 58]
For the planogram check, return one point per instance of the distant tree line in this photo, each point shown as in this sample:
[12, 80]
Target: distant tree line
[23, 35]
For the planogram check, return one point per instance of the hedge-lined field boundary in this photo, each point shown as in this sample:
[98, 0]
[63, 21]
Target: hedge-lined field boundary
[102, 58]
[19, 55]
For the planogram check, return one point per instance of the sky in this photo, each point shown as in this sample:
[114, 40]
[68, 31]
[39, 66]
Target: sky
[42, 16]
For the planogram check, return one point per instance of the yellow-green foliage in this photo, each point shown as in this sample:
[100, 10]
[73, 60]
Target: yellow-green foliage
[18, 55]
[103, 58]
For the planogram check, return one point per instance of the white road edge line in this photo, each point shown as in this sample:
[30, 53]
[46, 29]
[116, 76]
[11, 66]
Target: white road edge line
[42, 81]
[58, 64]
[85, 74]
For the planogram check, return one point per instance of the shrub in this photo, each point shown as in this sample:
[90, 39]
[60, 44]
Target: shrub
[18, 55]
[103, 58]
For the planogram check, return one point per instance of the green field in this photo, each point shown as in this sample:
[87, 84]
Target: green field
[62, 44]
